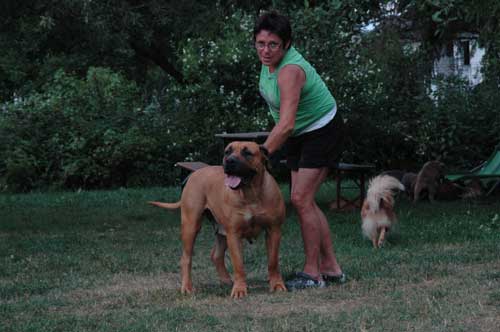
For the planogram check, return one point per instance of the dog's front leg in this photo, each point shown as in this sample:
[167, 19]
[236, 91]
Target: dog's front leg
[273, 238]
[416, 193]
[235, 251]
[432, 194]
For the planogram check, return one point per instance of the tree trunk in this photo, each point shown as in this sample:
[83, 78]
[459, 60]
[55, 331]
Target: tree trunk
[155, 54]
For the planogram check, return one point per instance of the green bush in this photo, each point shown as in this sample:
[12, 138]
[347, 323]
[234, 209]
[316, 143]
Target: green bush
[461, 127]
[75, 133]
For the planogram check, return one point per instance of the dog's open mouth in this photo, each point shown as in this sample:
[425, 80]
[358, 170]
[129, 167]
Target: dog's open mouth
[232, 181]
[237, 173]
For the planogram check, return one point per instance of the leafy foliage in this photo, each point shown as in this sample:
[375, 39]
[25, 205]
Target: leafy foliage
[75, 133]
[113, 93]
[462, 127]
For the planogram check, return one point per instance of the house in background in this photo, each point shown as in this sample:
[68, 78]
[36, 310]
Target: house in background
[461, 57]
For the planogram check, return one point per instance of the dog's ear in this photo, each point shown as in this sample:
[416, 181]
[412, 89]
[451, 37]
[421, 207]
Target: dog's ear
[264, 151]
[265, 157]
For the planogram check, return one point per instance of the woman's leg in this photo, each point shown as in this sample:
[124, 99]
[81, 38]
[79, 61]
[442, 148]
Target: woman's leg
[318, 248]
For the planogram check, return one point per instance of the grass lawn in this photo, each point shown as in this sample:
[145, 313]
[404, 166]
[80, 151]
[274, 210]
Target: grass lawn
[106, 261]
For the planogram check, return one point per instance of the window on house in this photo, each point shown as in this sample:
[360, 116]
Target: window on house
[466, 50]
[449, 49]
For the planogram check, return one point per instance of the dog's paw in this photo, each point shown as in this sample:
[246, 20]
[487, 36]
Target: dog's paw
[239, 291]
[277, 286]
[187, 289]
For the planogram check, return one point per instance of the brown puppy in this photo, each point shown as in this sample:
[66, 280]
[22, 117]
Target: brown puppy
[449, 191]
[377, 212]
[428, 179]
[408, 181]
[244, 200]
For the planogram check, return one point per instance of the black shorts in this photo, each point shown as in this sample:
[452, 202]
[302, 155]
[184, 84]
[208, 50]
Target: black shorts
[322, 147]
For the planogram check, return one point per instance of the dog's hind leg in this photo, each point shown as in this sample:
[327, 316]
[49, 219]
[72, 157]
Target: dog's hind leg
[190, 226]
[381, 237]
[217, 256]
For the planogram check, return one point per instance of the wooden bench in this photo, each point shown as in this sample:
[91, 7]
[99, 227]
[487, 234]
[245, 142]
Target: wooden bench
[358, 175]
[341, 172]
[189, 167]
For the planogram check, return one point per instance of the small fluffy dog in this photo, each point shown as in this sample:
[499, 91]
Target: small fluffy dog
[377, 212]
[428, 179]
[398, 174]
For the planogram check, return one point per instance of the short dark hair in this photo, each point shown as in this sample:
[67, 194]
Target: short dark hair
[274, 23]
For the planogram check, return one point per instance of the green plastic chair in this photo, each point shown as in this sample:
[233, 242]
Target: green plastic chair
[490, 169]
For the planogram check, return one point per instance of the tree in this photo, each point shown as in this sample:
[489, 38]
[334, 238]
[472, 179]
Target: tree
[132, 36]
[439, 21]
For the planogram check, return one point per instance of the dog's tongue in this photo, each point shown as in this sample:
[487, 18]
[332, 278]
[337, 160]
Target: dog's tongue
[232, 181]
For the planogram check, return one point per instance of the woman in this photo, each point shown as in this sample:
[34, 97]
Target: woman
[307, 121]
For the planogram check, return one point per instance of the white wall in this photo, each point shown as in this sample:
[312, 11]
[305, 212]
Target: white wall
[454, 65]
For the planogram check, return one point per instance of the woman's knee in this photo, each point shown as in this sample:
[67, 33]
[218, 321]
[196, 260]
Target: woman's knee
[301, 200]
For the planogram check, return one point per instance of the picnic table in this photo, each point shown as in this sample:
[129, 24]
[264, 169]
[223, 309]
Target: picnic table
[255, 136]
[355, 173]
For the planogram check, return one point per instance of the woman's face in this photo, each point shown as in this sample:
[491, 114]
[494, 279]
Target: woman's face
[270, 49]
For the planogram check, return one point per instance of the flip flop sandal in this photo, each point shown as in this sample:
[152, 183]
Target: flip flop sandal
[330, 280]
[302, 281]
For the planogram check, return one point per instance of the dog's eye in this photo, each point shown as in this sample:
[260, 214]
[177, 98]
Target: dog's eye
[246, 153]
[228, 151]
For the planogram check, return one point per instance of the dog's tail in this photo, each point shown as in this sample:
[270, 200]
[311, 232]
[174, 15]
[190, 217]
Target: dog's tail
[168, 206]
[380, 191]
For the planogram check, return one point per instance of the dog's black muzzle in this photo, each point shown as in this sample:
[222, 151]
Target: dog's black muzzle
[235, 167]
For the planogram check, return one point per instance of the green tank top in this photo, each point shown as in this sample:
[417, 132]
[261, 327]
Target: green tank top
[315, 98]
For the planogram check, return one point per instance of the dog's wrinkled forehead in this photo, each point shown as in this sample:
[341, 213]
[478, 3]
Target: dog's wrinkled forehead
[243, 149]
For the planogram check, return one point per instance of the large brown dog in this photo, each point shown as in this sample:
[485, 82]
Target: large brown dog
[244, 200]
[428, 179]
